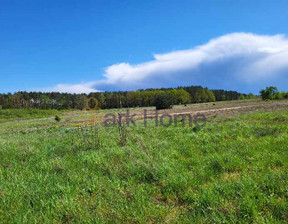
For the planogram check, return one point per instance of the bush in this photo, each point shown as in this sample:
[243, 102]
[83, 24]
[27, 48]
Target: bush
[278, 96]
[250, 96]
[164, 101]
[57, 118]
[122, 133]
[285, 95]
[242, 97]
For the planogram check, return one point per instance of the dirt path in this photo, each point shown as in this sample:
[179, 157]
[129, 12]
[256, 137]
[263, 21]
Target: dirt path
[209, 110]
[238, 109]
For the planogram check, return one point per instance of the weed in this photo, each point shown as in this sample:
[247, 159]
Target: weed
[122, 132]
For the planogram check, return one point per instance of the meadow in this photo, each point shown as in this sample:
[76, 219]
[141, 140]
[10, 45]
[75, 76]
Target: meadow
[25, 113]
[233, 170]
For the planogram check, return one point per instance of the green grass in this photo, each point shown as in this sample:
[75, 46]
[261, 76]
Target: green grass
[26, 113]
[234, 170]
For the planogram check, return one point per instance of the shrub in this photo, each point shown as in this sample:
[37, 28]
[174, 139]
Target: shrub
[285, 95]
[57, 118]
[122, 132]
[164, 101]
[278, 96]
[250, 96]
[242, 97]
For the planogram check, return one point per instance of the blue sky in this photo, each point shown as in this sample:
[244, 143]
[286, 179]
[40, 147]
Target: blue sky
[82, 46]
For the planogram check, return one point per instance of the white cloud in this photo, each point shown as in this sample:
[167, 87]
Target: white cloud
[70, 88]
[241, 61]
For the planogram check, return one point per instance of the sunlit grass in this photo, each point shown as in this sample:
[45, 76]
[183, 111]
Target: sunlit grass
[234, 170]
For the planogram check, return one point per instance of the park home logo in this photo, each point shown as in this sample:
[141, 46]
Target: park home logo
[92, 114]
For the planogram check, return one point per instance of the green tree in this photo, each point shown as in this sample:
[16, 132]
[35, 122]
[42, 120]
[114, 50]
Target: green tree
[80, 102]
[197, 98]
[268, 93]
[131, 99]
[210, 96]
[102, 100]
[164, 101]
[203, 96]
[182, 96]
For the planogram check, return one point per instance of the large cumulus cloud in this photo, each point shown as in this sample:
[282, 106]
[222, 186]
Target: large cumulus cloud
[240, 61]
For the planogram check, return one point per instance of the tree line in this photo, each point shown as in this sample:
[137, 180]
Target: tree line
[120, 99]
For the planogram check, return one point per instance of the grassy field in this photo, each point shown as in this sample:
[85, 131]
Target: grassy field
[25, 113]
[233, 170]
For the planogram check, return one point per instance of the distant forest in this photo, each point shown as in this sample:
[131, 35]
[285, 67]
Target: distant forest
[120, 99]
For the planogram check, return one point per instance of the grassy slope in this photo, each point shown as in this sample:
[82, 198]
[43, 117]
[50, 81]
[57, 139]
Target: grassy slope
[233, 170]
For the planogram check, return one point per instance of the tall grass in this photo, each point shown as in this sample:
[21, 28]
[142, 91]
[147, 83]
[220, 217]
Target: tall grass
[234, 170]
[122, 132]
[26, 113]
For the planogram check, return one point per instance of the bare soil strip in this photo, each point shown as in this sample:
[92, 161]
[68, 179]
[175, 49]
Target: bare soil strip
[209, 110]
